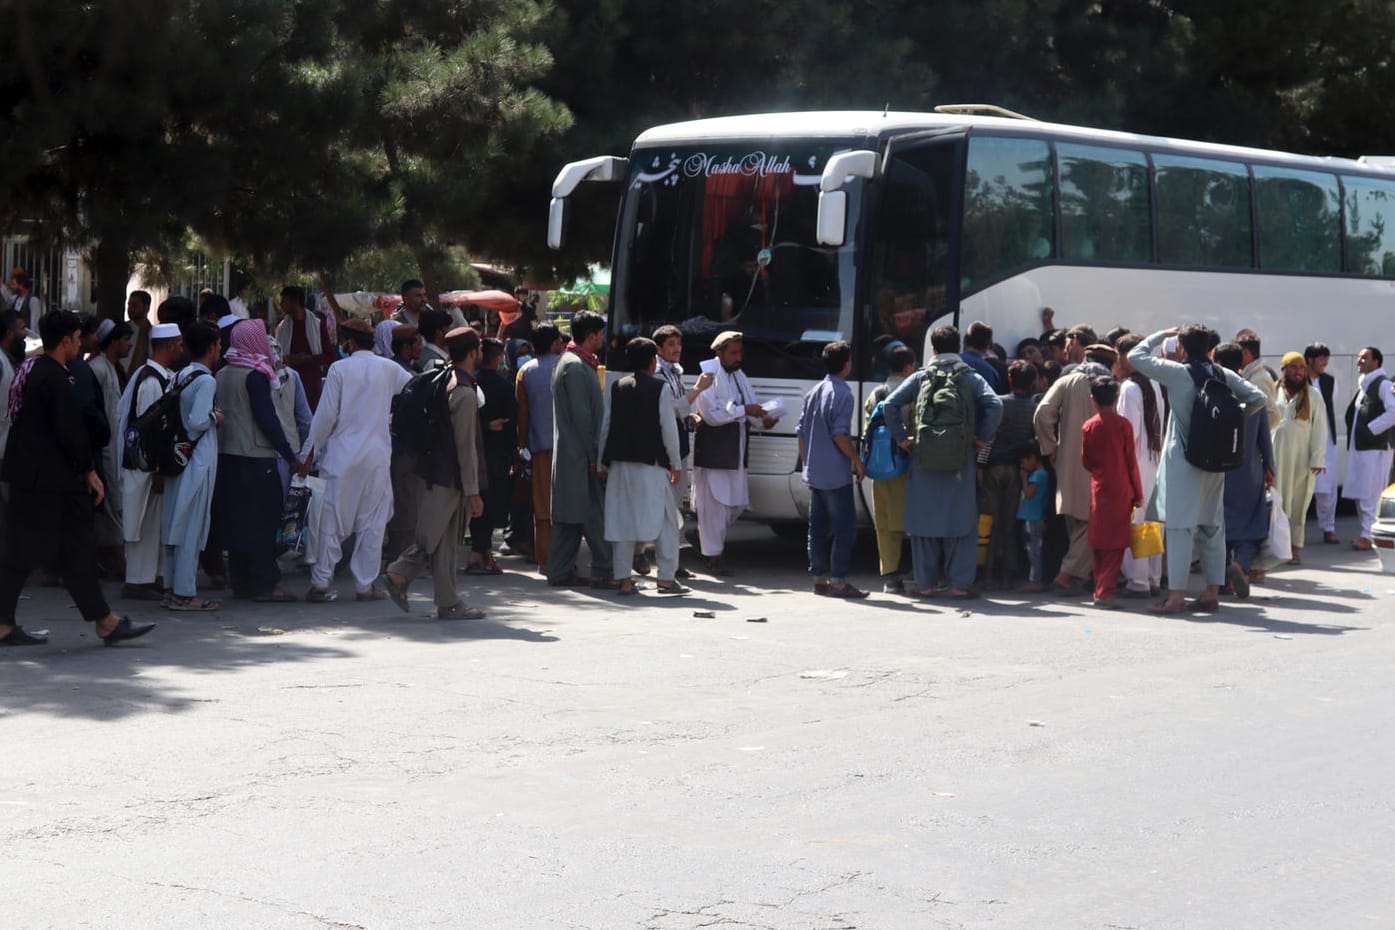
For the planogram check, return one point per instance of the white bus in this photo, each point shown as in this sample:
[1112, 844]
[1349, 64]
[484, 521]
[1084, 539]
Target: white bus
[802, 228]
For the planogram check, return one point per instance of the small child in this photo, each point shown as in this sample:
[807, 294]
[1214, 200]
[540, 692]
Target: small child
[1107, 453]
[1036, 489]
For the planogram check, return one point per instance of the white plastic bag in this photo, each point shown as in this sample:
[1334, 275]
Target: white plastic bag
[1278, 547]
[299, 531]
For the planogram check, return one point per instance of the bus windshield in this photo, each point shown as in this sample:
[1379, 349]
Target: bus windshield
[722, 237]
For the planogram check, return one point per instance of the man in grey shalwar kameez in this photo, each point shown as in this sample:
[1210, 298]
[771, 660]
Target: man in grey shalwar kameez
[1190, 501]
[641, 458]
[942, 507]
[578, 407]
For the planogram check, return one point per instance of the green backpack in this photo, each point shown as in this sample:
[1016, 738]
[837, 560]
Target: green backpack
[944, 416]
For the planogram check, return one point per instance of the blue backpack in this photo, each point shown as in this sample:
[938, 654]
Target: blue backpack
[881, 456]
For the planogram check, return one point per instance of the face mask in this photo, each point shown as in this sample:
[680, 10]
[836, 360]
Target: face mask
[343, 352]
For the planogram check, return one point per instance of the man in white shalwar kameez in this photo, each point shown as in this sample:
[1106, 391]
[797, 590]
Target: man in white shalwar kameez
[1143, 576]
[720, 491]
[349, 439]
[142, 492]
[640, 456]
[1370, 430]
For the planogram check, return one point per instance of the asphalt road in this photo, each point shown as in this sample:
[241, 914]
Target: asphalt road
[578, 761]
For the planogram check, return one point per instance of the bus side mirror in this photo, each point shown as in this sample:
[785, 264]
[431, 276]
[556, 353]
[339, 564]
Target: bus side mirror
[557, 213]
[601, 168]
[832, 222]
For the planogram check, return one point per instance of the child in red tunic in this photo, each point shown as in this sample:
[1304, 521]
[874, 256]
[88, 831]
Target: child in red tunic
[1115, 487]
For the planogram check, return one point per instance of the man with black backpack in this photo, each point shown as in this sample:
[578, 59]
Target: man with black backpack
[1205, 439]
[956, 416]
[142, 491]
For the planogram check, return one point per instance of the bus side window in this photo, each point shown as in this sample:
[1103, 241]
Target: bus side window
[1008, 219]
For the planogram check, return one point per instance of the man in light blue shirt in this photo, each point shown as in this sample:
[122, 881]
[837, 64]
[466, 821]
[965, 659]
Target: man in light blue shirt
[831, 462]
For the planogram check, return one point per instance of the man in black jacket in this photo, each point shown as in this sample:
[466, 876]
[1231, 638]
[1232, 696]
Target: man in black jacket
[54, 488]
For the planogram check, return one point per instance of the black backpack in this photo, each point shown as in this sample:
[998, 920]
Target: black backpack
[1216, 438]
[417, 411]
[156, 441]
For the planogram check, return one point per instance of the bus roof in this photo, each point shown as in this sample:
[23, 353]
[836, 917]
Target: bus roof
[860, 124]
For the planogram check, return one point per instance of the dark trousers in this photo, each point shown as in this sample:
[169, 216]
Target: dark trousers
[1001, 495]
[250, 505]
[48, 528]
[496, 499]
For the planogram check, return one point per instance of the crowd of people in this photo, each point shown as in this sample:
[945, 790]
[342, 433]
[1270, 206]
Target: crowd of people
[150, 450]
[1062, 453]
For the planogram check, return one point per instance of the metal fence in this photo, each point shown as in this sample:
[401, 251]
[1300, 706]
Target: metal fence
[44, 266]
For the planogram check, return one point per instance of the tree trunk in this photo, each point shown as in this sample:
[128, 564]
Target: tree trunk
[111, 263]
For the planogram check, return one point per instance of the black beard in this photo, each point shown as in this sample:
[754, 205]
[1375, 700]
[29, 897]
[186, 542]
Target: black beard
[1295, 386]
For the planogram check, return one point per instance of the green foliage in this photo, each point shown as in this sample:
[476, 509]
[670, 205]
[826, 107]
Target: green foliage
[330, 135]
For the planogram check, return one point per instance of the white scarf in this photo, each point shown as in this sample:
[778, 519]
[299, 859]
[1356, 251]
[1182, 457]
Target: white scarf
[312, 333]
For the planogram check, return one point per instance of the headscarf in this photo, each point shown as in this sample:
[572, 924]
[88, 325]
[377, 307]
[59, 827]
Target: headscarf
[251, 349]
[382, 337]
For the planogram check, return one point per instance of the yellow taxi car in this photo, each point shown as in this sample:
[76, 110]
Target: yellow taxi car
[1383, 533]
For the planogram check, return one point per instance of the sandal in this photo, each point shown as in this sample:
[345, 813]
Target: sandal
[626, 588]
[398, 593]
[1206, 605]
[372, 594]
[1163, 607]
[673, 587]
[460, 611]
[190, 604]
[484, 568]
[321, 596]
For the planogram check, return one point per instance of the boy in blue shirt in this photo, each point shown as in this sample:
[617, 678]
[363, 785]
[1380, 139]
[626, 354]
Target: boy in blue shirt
[1036, 489]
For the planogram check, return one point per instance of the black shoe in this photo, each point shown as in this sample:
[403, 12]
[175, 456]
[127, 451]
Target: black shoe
[17, 637]
[126, 630]
[846, 591]
[682, 574]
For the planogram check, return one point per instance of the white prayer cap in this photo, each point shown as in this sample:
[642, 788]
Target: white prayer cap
[228, 319]
[164, 331]
[104, 328]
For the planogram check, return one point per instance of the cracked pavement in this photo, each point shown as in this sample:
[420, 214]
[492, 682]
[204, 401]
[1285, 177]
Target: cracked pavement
[581, 761]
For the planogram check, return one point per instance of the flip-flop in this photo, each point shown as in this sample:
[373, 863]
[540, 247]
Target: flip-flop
[396, 593]
[674, 588]
[1163, 607]
[275, 597]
